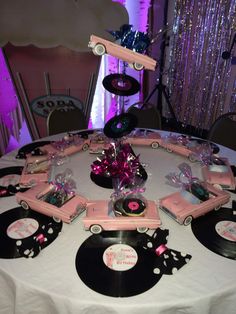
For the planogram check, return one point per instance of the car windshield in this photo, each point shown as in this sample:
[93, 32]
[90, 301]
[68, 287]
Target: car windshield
[218, 168]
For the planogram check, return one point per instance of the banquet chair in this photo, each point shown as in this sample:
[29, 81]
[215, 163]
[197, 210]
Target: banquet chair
[223, 130]
[65, 119]
[148, 116]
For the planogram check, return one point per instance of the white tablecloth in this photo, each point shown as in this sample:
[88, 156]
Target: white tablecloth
[49, 283]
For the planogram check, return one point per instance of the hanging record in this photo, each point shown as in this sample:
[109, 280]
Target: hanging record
[9, 179]
[120, 125]
[217, 231]
[121, 84]
[31, 148]
[114, 264]
[25, 232]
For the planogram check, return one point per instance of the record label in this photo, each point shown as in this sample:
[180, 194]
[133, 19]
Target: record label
[22, 228]
[227, 230]
[120, 257]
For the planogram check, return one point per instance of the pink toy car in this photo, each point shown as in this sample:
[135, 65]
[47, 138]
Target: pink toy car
[219, 174]
[135, 60]
[36, 169]
[100, 216]
[184, 206]
[183, 146]
[98, 143]
[38, 197]
[152, 139]
[67, 146]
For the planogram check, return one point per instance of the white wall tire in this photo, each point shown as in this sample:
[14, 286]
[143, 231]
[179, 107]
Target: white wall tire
[142, 229]
[85, 147]
[155, 145]
[99, 50]
[24, 205]
[95, 229]
[138, 66]
[188, 220]
[56, 219]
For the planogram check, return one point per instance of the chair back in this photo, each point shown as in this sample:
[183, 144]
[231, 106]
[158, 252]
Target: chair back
[223, 130]
[65, 119]
[148, 116]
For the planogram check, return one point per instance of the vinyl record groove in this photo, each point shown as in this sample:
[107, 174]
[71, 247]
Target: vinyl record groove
[217, 231]
[112, 263]
[18, 224]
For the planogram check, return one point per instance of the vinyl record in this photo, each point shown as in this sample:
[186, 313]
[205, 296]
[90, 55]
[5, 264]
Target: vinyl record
[112, 263]
[120, 125]
[106, 182]
[217, 231]
[130, 206]
[9, 179]
[18, 227]
[121, 84]
[29, 148]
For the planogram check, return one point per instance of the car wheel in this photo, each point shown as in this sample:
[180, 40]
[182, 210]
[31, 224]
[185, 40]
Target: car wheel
[96, 229]
[142, 229]
[155, 145]
[99, 50]
[169, 150]
[56, 219]
[188, 220]
[85, 147]
[192, 158]
[138, 66]
[131, 65]
[25, 205]
[217, 207]
[218, 186]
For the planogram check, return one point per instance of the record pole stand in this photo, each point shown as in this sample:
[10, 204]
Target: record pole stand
[159, 86]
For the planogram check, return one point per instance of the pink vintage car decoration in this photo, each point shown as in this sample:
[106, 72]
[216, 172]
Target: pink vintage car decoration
[219, 173]
[195, 199]
[56, 199]
[144, 138]
[36, 169]
[68, 145]
[100, 216]
[135, 60]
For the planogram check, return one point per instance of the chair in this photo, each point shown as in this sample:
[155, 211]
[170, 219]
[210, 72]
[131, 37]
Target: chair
[148, 116]
[223, 131]
[65, 119]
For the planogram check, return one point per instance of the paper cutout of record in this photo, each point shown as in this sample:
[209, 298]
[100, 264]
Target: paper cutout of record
[25, 232]
[217, 231]
[114, 264]
[120, 125]
[9, 180]
[29, 148]
[121, 84]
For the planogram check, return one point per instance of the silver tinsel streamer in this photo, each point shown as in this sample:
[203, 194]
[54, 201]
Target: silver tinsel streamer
[198, 77]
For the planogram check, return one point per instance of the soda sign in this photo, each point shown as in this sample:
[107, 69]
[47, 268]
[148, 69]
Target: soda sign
[43, 105]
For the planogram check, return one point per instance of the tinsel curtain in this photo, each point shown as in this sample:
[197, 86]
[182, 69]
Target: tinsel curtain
[199, 79]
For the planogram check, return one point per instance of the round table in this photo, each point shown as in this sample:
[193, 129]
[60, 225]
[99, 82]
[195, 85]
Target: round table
[49, 283]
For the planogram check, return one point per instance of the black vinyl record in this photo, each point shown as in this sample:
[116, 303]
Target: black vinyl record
[106, 182]
[29, 148]
[121, 84]
[20, 225]
[9, 188]
[217, 231]
[120, 125]
[114, 264]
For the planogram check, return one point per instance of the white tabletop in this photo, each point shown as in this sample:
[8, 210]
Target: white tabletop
[49, 283]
